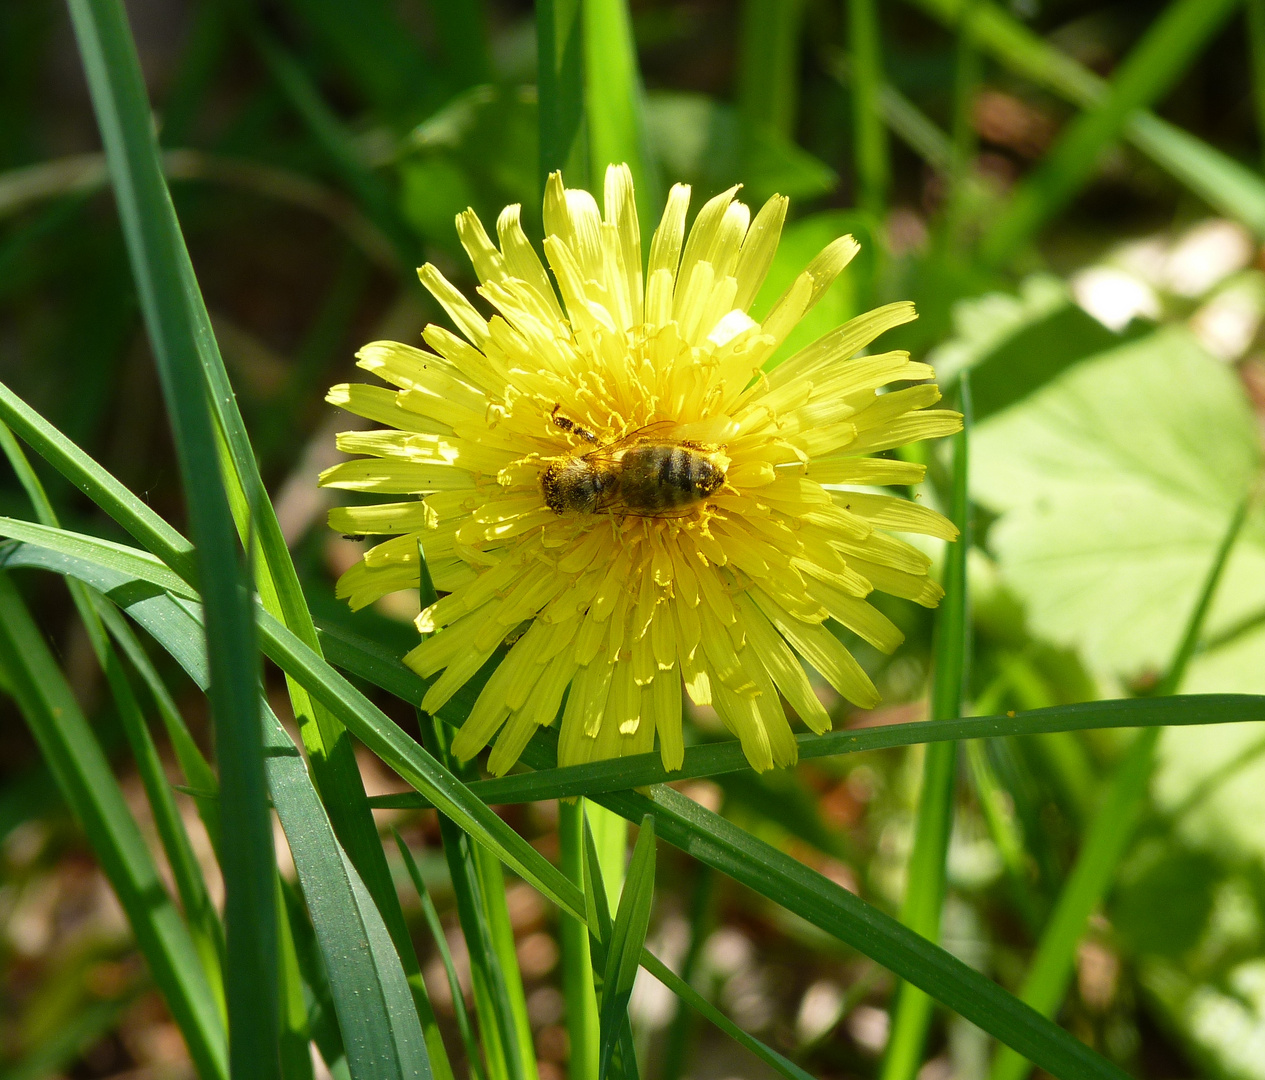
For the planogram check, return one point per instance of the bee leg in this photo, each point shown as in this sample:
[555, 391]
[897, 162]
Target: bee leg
[565, 423]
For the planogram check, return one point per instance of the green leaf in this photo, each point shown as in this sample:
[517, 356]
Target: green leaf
[83, 775]
[628, 936]
[194, 898]
[1109, 834]
[1115, 484]
[160, 266]
[719, 759]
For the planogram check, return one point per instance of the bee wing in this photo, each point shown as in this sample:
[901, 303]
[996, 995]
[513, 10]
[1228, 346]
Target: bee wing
[646, 433]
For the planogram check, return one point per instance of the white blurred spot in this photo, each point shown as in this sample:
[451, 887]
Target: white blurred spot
[1227, 324]
[728, 951]
[819, 1011]
[1207, 254]
[1114, 297]
[868, 1027]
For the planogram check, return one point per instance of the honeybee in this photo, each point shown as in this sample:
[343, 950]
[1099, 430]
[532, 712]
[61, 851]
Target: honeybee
[647, 473]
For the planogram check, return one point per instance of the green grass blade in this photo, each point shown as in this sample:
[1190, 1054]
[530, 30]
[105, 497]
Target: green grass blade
[926, 874]
[768, 63]
[615, 105]
[705, 1008]
[370, 992]
[1166, 49]
[322, 1019]
[628, 936]
[156, 250]
[133, 514]
[560, 78]
[496, 911]
[779, 877]
[677, 1045]
[296, 1056]
[719, 759]
[873, 169]
[577, 959]
[1223, 183]
[1218, 179]
[436, 928]
[83, 775]
[1108, 835]
[198, 774]
[479, 886]
[364, 720]
[204, 921]
[597, 908]
[329, 749]
[491, 994]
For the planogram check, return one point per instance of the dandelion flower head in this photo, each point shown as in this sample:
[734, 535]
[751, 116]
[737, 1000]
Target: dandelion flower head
[611, 466]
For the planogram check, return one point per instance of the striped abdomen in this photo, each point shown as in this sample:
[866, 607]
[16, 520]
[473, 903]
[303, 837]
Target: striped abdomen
[657, 477]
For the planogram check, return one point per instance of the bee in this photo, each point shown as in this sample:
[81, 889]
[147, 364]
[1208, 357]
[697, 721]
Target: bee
[646, 473]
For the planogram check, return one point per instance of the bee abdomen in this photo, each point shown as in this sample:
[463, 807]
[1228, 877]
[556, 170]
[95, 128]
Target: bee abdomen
[667, 477]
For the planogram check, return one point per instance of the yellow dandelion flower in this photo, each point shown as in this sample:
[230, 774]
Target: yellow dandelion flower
[612, 466]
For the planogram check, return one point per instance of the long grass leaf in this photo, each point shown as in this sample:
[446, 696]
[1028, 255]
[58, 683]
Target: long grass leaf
[296, 1053]
[480, 895]
[464, 1027]
[370, 992]
[768, 63]
[1109, 833]
[873, 170]
[722, 845]
[83, 775]
[205, 926]
[926, 873]
[156, 250]
[560, 78]
[577, 960]
[328, 747]
[1219, 180]
[628, 935]
[1151, 68]
[719, 759]
[602, 926]
[615, 105]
